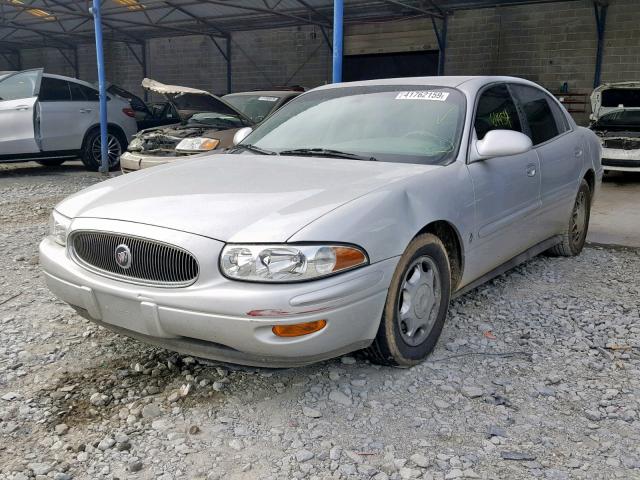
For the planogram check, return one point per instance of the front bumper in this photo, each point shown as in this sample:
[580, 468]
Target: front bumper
[131, 162]
[221, 319]
[621, 160]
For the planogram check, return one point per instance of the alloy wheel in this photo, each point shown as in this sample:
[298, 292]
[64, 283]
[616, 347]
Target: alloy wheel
[114, 149]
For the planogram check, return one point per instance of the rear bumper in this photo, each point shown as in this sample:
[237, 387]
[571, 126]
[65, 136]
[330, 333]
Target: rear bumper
[229, 321]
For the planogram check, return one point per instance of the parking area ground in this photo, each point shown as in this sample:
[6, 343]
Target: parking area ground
[537, 375]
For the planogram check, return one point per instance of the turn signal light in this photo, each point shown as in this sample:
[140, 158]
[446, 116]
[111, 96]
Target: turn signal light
[129, 112]
[298, 329]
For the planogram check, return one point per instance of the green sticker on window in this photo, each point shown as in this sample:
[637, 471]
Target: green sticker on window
[500, 119]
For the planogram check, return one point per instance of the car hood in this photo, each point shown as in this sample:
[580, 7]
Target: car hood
[596, 97]
[237, 198]
[188, 101]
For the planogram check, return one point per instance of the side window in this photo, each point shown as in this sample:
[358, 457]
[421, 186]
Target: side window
[54, 90]
[20, 85]
[77, 93]
[560, 116]
[496, 111]
[91, 93]
[537, 111]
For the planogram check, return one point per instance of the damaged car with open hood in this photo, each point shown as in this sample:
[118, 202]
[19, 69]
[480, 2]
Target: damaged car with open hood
[616, 120]
[207, 123]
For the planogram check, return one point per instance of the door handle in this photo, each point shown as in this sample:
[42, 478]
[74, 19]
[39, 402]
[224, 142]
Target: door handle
[531, 170]
[22, 107]
[85, 110]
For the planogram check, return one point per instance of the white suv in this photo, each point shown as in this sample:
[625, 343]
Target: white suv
[51, 118]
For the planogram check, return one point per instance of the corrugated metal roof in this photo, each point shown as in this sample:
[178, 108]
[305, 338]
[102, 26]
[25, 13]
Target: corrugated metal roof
[65, 23]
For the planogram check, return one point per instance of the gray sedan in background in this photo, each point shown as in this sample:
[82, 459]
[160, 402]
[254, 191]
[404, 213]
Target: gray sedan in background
[346, 220]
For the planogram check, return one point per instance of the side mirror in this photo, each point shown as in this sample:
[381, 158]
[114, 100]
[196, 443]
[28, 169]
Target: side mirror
[502, 143]
[241, 134]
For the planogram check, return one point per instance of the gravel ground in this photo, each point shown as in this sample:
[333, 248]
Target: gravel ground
[537, 374]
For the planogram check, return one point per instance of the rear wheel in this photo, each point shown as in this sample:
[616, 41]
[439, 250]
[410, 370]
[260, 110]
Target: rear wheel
[417, 304]
[52, 162]
[573, 238]
[91, 150]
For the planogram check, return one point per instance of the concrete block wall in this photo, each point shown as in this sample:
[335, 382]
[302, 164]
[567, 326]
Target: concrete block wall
[550, 43]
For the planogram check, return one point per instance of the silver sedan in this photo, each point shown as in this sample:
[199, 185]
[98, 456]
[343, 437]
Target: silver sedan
[345, 221]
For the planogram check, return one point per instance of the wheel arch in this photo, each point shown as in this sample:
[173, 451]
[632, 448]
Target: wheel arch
[450, 237]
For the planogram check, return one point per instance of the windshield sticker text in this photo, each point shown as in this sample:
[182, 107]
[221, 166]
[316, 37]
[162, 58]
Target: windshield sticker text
[268, 99]
[434, 95]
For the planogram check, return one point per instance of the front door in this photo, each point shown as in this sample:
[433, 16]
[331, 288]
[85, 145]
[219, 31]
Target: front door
[506, 189]
[18, 116]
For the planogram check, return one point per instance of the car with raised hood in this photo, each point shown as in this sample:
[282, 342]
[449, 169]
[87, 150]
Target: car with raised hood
[207, 123]
[259, 104]
[346, 220]
[616, 120]
[51, 118]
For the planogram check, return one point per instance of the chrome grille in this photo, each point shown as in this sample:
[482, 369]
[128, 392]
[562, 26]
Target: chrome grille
[152, 262]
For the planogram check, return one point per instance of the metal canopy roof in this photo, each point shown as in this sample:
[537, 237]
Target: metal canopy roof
[64, 24]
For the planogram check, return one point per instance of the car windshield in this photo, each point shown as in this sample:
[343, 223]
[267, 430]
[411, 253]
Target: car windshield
[620, 118]
[392, 123]
[216, 120]
[256, 107]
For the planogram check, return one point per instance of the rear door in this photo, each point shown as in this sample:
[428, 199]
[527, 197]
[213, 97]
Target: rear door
[18, 115]
[85, 110]
[560, 152]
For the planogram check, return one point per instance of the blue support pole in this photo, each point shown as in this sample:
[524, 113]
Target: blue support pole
[97, 22]
[338, 19]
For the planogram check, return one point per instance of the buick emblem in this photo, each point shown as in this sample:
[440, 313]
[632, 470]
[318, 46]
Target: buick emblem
[123, 256]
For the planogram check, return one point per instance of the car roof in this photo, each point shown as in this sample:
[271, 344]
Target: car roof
[70, 79]
[466, 83]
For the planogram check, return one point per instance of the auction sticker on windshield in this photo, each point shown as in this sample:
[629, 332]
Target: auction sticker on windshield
[436, 95]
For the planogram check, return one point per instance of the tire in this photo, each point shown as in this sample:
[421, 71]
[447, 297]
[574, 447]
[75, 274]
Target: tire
[575, 234]
[53, 162]
[416, 306]
[90, 154]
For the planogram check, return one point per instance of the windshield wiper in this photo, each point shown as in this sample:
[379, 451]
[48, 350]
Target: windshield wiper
[326, 152]
[253, 148]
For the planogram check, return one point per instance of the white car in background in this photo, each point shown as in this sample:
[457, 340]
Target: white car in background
[51, 118]
[616, 120]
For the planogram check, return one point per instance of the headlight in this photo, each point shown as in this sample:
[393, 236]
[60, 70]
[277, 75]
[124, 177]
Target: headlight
[288, 263]
[197, 144]
[59, 227]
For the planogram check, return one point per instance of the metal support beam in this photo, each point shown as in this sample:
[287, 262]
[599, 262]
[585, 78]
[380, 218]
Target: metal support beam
[229, 64]
[338, 37]
[102, 88]
[326, 38]
[600, 10]
[441, 37]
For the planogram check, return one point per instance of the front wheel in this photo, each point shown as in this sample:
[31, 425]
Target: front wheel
[575, 235]
[417, 304]
[91, 150]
